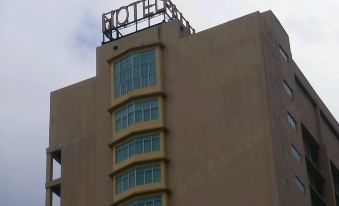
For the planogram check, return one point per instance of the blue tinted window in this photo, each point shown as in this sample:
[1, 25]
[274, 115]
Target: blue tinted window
[119, 156]
[131, 114]
[295, 154]
[131, 147]
[288, 89]
[155, 143]
[137, 145]
[138, 70]
[291, 121]
[157, 201]
[136, 112]
[118, 121]
[154, 109]
[147, 111]
[156, 173]
[147, 145]
[131, 179]
[146, 201]
[125, 183]
[119, 185]
[300, 185]
[124, 119]
[283, 54]
[138, 176]
[148, 176]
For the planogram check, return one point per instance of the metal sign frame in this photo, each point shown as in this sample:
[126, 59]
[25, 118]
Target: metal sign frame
[138, 16]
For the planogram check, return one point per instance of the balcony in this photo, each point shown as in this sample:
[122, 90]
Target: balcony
[335, 175]
[315, 177]
[316, 198]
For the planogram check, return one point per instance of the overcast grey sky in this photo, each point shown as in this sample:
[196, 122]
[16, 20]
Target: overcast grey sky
[46, 45]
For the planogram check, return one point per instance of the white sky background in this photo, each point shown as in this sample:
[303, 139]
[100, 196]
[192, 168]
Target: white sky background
[46, 45]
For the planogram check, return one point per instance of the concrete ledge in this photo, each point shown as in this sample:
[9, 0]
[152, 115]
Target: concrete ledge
[143, 193]
[134, 98]
[140, 132]
[139, 163]
[53, 183]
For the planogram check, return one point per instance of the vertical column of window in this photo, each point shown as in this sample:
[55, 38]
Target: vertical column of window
[154, 109]
[283, 54]
[147, 144]
[118, 121]
[132, 178]
[139, 146]
[146, 111]
[138, 112]
[288, 89]
[136, 71]
[300, 185]
[131, 114]
[118, 156]
[125, 152]
[123, 76]
[131, 146]
[335, 175]
[119, 185]
[148, 201]
[157, 201]
[155, 143]
[124, 118]
[138, 176]
[151, 66]
[125, 183]
[291, 121]
[129, 74]
[117, 83]
[144, 69]
[156, 173]
[140, 179]
[296, 154]
[148, 175]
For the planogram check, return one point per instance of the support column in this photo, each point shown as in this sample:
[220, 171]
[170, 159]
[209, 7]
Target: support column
[48, 201]
[49, 168]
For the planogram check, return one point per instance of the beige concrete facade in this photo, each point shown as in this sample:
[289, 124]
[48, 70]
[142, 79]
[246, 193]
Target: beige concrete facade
[225, 137]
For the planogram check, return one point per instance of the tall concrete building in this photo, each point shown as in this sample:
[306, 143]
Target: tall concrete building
[178, 118]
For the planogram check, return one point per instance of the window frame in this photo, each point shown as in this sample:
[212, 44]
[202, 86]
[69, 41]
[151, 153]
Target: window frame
[139, 174]
[122, 115]
[299, 184]
[290, 120]
[283, 54]
[130, 69]
[289, 91]
[153, 137]
[296, 154]
[154, 200]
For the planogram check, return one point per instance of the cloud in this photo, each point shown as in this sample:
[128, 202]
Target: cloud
[46, 45]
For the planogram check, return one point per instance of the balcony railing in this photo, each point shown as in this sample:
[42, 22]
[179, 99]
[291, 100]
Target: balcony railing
[315, 176]
[317, 199]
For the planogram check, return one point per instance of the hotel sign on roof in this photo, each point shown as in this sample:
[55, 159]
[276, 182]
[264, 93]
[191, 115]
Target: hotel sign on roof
[137, 16]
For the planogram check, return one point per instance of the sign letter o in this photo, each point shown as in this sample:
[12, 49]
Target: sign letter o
[125, 19]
